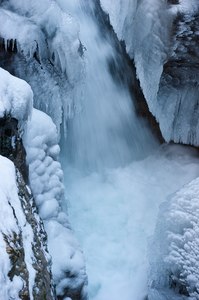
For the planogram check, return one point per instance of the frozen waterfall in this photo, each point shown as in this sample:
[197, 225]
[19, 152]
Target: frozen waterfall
[125, 196]
[115, 176]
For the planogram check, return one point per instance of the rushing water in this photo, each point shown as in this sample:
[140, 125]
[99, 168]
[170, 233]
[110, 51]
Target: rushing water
[115, 175]
[106, 131]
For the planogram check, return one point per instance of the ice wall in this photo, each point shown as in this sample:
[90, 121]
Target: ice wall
[161, 37]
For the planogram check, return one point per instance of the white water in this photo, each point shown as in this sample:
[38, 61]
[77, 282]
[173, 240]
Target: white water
[113, 196]
[105, 132]
[114, 214]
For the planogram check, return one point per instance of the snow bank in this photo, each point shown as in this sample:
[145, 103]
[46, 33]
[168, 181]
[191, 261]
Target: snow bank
[174, 255]
[46, 176]
[15, 97]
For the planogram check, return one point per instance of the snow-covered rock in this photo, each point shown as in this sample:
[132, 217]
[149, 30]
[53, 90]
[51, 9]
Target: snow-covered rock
[46, 181]
[24, 260]
[174, 250]
[45, 176]
[16, 97]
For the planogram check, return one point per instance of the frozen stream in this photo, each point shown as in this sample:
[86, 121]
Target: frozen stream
[116, 173]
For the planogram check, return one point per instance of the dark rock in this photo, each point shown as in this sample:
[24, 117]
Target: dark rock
[173, 2]
[11, 145]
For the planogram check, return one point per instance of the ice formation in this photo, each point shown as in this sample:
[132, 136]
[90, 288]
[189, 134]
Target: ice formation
[175, 247]
[47, 53]
[82, 82]
[46, 181]
[24, 254]
[156, 38]
[46, 176]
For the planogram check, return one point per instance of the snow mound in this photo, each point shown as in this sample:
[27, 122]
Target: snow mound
[174, 254]
[15, 97]
[46, 180]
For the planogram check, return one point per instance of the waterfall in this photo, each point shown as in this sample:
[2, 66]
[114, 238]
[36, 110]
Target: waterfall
[116, 175]
[105, 131]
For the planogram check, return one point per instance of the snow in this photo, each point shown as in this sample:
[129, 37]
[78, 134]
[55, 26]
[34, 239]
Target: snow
[177, 240]
[113, 211]
[15, 97]
[13, 223]
[46, 181]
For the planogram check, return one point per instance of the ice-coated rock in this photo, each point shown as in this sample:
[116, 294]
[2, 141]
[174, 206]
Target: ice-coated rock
[162, 39]
[174, 249]
[46, 181]
[25, 265]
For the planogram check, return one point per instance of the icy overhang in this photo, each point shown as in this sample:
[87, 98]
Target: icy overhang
[16, 98]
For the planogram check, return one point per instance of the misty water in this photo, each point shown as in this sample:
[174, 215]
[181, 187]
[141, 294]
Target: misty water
[116, 173]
